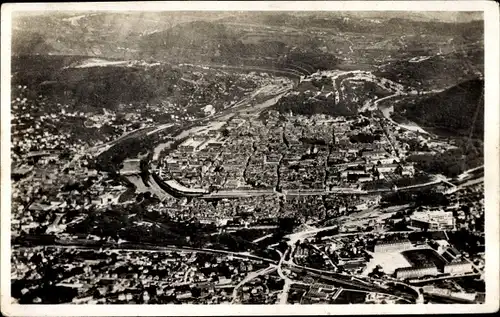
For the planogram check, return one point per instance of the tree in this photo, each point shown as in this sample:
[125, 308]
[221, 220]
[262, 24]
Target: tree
[225, 132]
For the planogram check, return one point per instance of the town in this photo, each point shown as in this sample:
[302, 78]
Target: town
[246, 183]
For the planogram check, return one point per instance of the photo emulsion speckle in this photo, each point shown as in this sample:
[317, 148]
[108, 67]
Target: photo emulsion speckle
[247, 157]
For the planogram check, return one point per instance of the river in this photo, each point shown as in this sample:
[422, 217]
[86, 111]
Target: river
[387, 110]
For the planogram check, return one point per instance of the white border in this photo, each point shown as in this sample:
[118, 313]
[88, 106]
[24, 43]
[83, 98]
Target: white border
[473, 5]
[492, 151]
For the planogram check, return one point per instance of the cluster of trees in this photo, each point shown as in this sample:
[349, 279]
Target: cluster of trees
[420, 198]
[232, 242]
[435, 72]
[360, 124]
[468, 241]
[326, 233]
[313, 141]
[86, 89]
[97, 87]
[111, 160]
[117, 223]
[364, 138]
[451, 163]
[47, 293]
[409, 181]
[215, 42]
[459, 109]
[416, 146]
[304, 105]
[322, 82]
[314, 59]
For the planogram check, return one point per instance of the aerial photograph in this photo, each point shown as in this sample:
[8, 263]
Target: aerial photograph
[247, 157]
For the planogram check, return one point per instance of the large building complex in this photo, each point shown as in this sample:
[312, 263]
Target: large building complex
[393, 246]
[425, 262]
[432, 220]
[412, 272]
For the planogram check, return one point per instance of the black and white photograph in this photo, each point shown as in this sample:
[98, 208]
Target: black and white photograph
[260, 157]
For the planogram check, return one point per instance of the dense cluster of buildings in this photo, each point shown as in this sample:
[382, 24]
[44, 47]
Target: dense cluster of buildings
[240, 212]
[142, 276]
[282, 156]
[289, 152]
[260, 290]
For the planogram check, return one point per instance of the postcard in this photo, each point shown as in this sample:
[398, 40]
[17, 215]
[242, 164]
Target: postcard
[250, 158]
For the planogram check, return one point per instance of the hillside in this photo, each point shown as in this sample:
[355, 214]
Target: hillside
[453, 110]
[252, 39]
[89, 84]
[209, 42]
[194, 40]
[362, 22]
[438, 71]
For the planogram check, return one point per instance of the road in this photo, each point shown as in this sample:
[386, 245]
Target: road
[444, 278]
[153, 248]
[288, 71]
[283, 298]
[366, 286]
[471, 183]
[299, 236]
[241, 108]
[271, 268]
[323, 253]
[471, 170]
[348, 191]
[342, 279]
[310, 192]
[262, 238]
[274, 93]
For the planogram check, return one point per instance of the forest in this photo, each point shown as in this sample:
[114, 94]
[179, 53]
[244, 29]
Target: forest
[459, 110]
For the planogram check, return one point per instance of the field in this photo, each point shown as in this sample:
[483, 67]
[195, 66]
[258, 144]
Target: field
[389, 261]
[421, 257]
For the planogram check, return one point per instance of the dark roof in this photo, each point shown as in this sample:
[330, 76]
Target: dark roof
[423, 257]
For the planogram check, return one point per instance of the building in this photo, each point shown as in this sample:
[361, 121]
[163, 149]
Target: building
[214, 145]
[353, 264]
[108, 198]
[416, 272]
[408, 170]
[459, 267]
[450, 254]
[365, 178]
[321, 292]
[355, 170]
[432, 220]
[272, 159]
[374, 155]
[185, 295]
[388, 168]
[191, 145]
[393, 246]
[424, 257]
